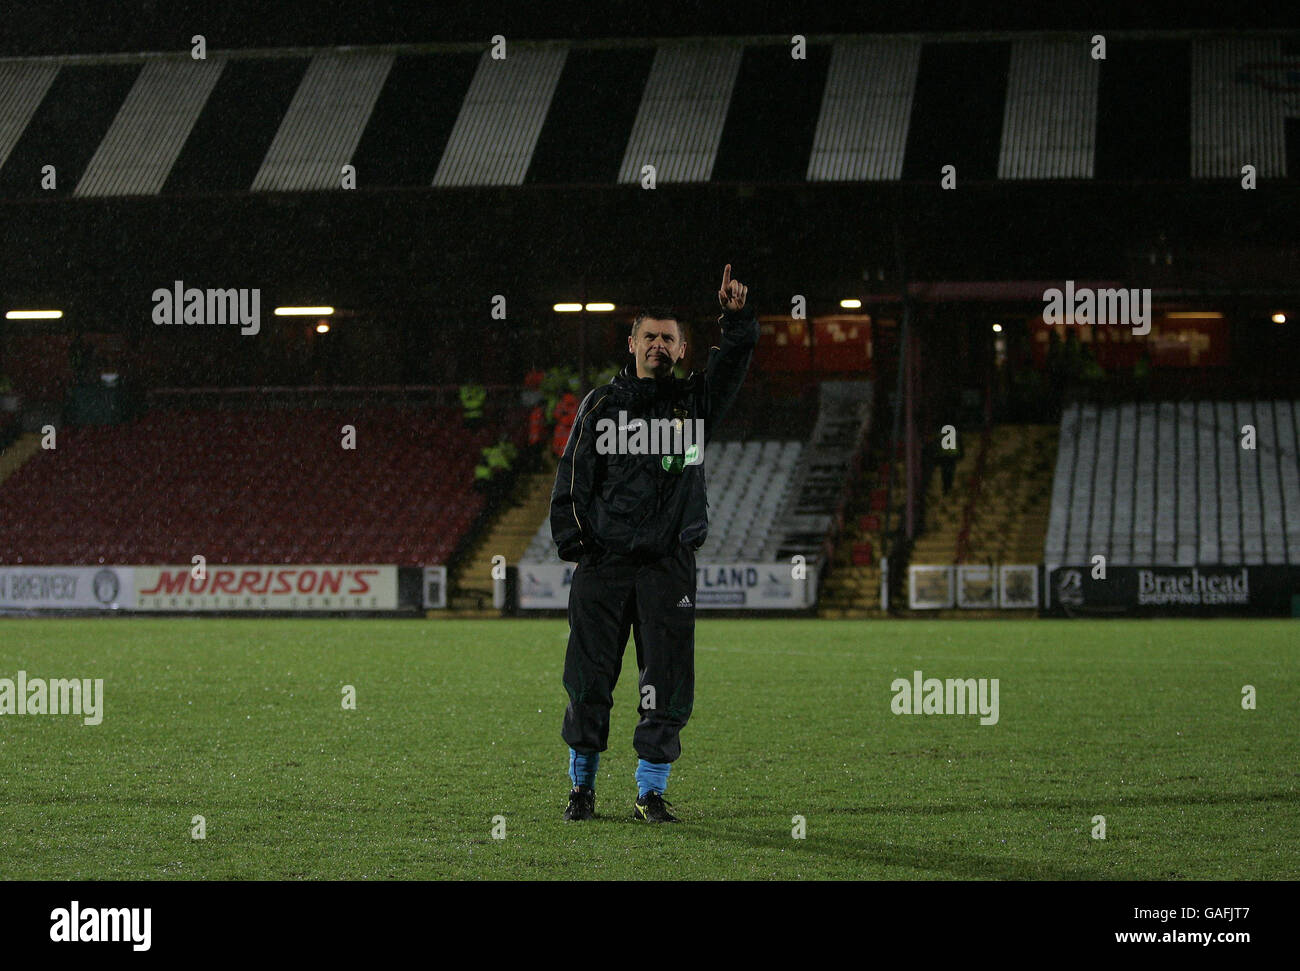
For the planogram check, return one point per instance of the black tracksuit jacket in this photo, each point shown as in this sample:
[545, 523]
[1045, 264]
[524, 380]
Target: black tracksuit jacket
[630, 504]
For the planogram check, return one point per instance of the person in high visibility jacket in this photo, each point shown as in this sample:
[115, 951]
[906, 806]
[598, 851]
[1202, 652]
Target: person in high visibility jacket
[472, 399]
[492, 474]
[500, 456]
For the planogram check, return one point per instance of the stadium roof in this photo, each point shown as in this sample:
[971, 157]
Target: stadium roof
[1162, 106]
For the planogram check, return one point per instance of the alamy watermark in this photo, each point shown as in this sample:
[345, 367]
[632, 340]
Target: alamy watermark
[955, 696]
[220, 307]
[58, 696]
[1108, 306]
[75, 923]
[658, 436]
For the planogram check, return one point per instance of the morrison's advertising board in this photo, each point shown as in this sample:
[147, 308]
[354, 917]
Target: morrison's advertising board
[1173, 591]
[718, 586]
[254, 588]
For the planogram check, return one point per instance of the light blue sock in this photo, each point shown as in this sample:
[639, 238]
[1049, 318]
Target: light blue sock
[652, 776]
[582, 768]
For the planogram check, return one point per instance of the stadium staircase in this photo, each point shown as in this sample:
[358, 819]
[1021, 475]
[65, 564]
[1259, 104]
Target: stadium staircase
[818, 493]
[22, 449]
[937, 545]
[998, 509]
[999, 514]
[1008, 522]
[509, 535]
[852, 587]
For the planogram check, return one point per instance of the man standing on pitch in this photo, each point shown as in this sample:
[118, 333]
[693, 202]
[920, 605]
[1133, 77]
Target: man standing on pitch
[632, 520]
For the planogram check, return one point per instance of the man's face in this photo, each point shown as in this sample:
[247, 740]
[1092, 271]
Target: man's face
[657, 346]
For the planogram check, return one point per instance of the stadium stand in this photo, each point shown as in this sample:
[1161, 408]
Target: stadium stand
[1170, 483]
[749, 483]
[256, 487]
[39, 367]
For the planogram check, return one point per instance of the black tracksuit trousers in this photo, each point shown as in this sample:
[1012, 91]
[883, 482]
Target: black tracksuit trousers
[655, 599]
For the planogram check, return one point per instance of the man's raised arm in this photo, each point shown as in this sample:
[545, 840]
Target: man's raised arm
[729, 363]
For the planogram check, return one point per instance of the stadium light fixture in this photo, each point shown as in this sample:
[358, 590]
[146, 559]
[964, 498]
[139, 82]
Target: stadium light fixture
[997, 328]
[304, 311]
[33, 314]
[599, 307]
[322, 328]
[1279, 318]
[567, 308]
[851, 304]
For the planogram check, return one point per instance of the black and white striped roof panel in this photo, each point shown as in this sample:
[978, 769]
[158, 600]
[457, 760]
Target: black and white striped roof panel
[855, 109]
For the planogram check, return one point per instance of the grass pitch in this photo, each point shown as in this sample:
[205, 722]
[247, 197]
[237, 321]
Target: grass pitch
[457, 722]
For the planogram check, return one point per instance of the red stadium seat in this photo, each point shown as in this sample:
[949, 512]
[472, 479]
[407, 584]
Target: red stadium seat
[270, 487]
